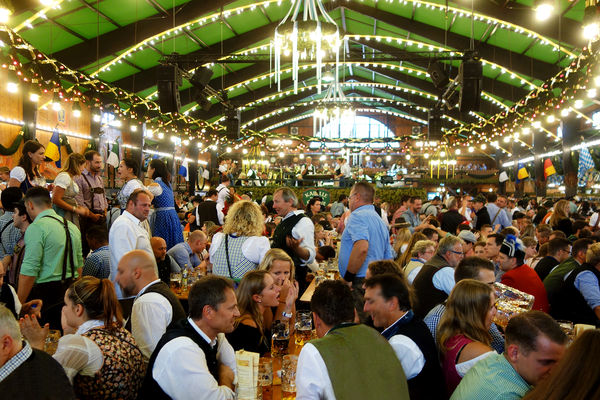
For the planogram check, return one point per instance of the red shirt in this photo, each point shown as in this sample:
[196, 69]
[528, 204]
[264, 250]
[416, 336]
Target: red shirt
[525, 279]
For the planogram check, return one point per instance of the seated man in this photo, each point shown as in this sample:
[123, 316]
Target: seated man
[155, 306]
[519, 275]
[190, 252]
[164, 262]
[388, 301]
[559, 250]
[435, 280]
[557, 276]
[98, 262]
[578, 298]
[26, 373]
[534, 344]
[481, 270]
[341, 363]
[194, 360]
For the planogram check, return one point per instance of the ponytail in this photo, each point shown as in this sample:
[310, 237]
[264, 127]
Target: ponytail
[99, 300]
[113, 316]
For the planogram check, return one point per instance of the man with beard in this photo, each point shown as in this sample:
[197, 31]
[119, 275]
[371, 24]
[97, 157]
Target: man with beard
[155, 306]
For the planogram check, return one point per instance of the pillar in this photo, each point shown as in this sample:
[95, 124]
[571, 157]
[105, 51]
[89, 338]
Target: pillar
[193, 168]
[29, 117]
[539, 139]
[499, 158]
[570, 128]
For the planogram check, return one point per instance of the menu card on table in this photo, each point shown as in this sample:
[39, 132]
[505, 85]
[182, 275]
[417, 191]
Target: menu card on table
[247, 375]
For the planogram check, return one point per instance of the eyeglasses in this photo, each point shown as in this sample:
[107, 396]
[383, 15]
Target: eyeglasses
[458, 253]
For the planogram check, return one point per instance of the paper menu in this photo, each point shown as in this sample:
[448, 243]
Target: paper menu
[247, 375]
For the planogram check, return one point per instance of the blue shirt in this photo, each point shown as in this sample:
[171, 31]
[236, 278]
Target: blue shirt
[365, 224]
[98, 263]
[182, 254]
[412, 219]
[502, 217]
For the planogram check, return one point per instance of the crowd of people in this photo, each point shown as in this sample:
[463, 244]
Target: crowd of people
[411, 315]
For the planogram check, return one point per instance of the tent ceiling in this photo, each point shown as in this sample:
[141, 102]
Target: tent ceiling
[98, 37]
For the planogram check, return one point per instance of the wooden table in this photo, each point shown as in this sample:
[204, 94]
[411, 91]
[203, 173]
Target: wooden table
[310, 290]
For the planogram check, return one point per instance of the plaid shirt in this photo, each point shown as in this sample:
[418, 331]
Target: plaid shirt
[10, 236]
[432, 320]
[98, 263]
[16, 361]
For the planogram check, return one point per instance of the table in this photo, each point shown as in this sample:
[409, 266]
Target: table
[293, 349]
[310, 290]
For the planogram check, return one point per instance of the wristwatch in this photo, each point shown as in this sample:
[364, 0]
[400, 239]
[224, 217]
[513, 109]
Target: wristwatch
[287, 315]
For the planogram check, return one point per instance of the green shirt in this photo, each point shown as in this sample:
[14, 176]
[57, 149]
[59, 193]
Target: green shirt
[492, 378]
[45, 240]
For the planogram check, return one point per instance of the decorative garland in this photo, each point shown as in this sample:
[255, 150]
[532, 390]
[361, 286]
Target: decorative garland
[14, 146]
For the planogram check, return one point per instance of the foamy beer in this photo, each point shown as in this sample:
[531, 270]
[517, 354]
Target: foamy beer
[303, 327]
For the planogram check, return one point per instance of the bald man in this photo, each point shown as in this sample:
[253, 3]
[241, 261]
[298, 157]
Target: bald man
[164, 262]
[193, 252]
[155, 306]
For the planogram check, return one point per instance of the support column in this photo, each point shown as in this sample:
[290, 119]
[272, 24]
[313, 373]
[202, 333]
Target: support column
[570, 127]
[498, 157]
[29, 117]
[193, 168]
[539, 139]
[516, 155]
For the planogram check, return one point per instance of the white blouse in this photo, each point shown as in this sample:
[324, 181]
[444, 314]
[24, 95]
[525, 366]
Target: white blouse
[19, 174]
[78, 354]
[65, 181]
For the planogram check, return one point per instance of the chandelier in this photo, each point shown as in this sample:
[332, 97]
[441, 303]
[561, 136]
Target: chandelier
[333, 107]
[312, 38]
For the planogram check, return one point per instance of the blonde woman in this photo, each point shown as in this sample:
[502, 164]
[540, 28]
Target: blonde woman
[405, 257]
[240, 247]
[463, 333]
[256, 294]
[559, 220]
[65, 190]
[281, 267]
[401, 241]
[421, 252]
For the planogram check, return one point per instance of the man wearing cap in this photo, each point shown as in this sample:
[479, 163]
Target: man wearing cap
[482, 217]
[469, 238]
[519, 275]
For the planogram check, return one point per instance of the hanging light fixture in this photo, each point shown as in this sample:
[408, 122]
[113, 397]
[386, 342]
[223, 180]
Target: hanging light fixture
[333, 107]
[312, 37]
[56, 101]
[76, 108]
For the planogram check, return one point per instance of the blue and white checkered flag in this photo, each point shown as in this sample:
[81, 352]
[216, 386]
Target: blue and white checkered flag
[585, 163]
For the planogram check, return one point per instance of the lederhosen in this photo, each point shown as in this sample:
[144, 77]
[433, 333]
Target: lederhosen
[85, 223]
[52, 293]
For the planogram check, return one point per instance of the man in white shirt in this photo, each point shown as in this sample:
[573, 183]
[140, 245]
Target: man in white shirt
[223, 191]
[348, 361]
[295, 234]
[388, 301]
[194, 360]
[155, 306]
[127, 232]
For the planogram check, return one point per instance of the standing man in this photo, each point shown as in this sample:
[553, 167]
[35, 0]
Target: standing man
[388, 301]
[365, 237]
[91, 194]
[53, 256]
[222, 192]
[482, 217]
[97, 262]
[348, 361]
[194, 360]
[295, 234]
[495, 208]
[209, 210]
[127, 233]
[155, 306]
[534, 344]
[21, 220]
[9, 233]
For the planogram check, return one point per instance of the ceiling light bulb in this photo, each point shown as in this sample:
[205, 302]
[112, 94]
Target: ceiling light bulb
[564, 112]
[550, 119]
[133, 128]
[228, 150]
[281, 154]
[186, 142]
[526, 131]
[302, 156]
[388, 158]
[77, 113]
[592, 93]
[471, 149]
[34, 97]
[367, 158]
[56, 106]
[262, 153]
[457, 152]
[244, 151]
[322, 158]
[506, 139]
[426, 155]
[483, 146]
[161, 135]
[590, 31]
[12, 87]
[536, 124]
[5, 14]
[544, 11]
[408, 156]
[442, 154]
[578, 103]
